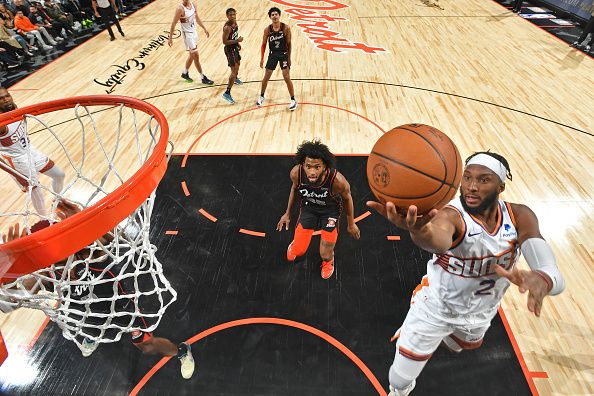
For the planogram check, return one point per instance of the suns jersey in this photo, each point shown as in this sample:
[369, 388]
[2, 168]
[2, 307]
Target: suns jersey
[14, 142]
[189, 15]
[463, 279]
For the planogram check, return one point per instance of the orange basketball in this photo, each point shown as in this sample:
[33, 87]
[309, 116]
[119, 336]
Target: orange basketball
[414, 164]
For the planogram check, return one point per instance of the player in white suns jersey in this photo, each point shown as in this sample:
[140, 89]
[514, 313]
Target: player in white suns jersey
[23, 161]
[476, 241]
[187, 15]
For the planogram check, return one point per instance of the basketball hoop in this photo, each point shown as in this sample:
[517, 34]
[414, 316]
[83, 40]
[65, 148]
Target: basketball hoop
[112, 172]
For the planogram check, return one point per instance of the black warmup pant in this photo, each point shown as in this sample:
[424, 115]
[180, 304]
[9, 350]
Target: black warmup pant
[589, 28]
[107, 15]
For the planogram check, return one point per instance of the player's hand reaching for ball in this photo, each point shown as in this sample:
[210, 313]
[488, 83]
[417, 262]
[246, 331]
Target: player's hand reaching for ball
[410, 222]
[284, 220]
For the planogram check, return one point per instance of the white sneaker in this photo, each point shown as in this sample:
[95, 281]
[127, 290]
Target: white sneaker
[187, 362]
[48, 47]
[293, 105]
[452, 345]
[260, 101]
[88, 346]
[402, 392]
[58, 39]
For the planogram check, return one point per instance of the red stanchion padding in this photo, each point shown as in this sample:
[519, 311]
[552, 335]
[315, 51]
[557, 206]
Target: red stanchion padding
[3, 350]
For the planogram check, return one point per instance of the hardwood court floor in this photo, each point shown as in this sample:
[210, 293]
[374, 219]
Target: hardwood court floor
[484, 76]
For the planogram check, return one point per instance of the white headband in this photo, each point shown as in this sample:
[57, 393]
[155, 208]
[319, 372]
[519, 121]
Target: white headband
[493, 164]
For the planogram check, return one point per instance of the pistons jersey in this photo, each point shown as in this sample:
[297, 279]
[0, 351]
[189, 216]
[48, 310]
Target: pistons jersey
[277, 42]
[233, 35]
[15, 141]
[463, 279]
[318, 197]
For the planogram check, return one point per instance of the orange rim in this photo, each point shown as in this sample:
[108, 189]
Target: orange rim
[52, 244]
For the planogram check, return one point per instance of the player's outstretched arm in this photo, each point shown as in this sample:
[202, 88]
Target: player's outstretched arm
[176, 17]
[285, 219]
[434, 231]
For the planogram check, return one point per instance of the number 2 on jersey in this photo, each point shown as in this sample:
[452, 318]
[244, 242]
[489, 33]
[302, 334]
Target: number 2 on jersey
[485, 291]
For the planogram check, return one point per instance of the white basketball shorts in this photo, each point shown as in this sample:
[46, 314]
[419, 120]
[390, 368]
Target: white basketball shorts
[425, 327]
[190, 40]
[29, 167]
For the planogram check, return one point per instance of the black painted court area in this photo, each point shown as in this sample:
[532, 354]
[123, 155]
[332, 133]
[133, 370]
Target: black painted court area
[223, 275]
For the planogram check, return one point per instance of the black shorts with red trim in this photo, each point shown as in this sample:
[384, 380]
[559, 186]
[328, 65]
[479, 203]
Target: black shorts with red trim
[232, 54]
[280, 58]
[320, 219]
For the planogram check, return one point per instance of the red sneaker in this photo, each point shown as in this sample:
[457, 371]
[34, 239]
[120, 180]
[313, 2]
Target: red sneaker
[327, 269]
[290, 255]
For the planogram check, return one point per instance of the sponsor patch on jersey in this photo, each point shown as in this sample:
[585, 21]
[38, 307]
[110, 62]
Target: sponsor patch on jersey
[331, 222]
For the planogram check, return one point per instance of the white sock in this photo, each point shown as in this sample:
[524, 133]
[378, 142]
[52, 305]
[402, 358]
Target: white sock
[57, 176]
[185, 71]
[38, 201]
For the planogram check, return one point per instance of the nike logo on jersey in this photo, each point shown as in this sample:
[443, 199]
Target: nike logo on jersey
[475, 234]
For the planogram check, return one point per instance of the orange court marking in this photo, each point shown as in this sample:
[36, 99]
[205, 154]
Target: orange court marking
[282, 322]
[364, 215]
[393, 238]
[254, 233]
[527, 373]
[207, 215]
[185, 188]
[171, 232]
[185, 159]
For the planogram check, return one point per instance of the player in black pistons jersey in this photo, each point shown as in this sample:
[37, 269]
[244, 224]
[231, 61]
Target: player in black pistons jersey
[231, 40]
[278, 37]
[322, 192]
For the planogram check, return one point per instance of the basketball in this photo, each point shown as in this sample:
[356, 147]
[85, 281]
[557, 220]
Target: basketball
[414, 164]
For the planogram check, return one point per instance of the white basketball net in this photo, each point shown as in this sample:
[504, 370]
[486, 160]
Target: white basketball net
[116, 285]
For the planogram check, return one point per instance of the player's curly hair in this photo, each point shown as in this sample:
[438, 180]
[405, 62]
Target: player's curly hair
[498, 157]
[317, 150]
[274, 9]
[229, 11]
